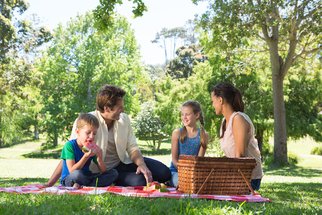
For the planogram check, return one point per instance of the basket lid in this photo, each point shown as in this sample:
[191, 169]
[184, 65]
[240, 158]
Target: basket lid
[196, 160]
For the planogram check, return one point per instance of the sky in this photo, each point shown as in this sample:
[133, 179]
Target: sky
[160, 14]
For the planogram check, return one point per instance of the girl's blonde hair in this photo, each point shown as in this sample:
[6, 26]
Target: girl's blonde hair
[196, 108]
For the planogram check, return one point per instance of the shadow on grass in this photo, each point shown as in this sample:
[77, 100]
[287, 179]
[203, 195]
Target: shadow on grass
[10, 182]
[154, 152]
[292, 171]
[51, 154]
[46, 152]
[293, 198]
[25, 140]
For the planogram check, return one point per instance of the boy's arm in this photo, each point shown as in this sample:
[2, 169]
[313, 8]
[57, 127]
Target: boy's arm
[55, 176]
[71, 165]
[100, 162]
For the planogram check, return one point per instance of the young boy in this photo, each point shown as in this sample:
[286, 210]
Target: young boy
[77, 158]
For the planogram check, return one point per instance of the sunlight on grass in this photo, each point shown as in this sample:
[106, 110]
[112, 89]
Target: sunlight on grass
[302, 146]
[292, 189]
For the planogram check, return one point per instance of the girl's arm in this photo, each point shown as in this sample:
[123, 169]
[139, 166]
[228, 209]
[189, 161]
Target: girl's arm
[240, 132]
[174, 146]
[100, 162]
[202, 150]
[71, 165]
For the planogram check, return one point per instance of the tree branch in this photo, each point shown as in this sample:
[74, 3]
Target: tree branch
[304, 53]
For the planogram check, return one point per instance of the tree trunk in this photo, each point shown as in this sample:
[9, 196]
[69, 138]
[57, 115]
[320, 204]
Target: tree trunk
[55, 140]
[36, 133]
[165, 52]
[260, 137]
[0, 129]
[278, 74]
[280, 138]
[36, 129]
[154, 145]
[159, 144]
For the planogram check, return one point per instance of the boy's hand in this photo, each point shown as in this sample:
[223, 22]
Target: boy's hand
[90, 153]
[99, 152]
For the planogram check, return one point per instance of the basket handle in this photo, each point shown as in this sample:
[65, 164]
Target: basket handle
[248, 185]
[203, 184]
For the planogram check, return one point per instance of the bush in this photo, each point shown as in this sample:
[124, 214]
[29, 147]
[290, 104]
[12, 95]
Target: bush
[317, 150]
[292, 160]
[148, 126]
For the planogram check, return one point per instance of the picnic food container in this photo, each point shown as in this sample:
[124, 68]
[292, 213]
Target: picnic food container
[215, 175]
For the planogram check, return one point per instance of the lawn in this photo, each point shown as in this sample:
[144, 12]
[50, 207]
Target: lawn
[293, 190]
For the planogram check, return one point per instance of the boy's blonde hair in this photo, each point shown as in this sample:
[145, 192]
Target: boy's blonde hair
[87, 119]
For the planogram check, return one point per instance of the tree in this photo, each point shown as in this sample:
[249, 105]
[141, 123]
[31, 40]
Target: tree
[78, 62]
[19, 40]
[186, 58]
[303, 100]
[290, 29]
[174, 36]
[104, 13]
[148, 126]
[7, 28]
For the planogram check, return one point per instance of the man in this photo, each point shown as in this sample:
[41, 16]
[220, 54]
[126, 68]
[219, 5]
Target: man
[116, 138]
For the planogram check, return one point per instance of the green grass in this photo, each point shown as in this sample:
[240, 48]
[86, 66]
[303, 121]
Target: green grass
[287, 198]
[294, 189]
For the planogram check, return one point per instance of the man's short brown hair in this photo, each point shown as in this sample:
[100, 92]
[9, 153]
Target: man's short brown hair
[108, 96]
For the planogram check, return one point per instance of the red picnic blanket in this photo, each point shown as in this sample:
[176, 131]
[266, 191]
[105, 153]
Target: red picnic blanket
[128, 191]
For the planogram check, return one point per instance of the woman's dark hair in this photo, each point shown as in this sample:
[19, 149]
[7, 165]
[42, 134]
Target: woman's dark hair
[231, 95]
[108, 96]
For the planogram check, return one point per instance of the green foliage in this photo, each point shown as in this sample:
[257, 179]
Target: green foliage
[270, 163]
[7, 29]
[77, 63]
[171, 93]
[148, 126]
[317, 150]
[19, 40]
[186, 58]
[105, 16]
[303, 102]
[290, 30]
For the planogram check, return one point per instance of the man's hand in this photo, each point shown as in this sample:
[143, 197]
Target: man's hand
[145, 171]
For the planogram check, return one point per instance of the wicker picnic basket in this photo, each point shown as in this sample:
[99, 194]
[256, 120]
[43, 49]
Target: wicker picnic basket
[215, 175]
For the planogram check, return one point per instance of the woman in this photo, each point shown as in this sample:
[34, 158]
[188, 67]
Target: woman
[237, 133]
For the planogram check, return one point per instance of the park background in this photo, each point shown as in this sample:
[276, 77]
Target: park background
[271, 52]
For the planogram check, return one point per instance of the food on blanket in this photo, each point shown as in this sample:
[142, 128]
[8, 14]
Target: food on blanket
[155, 186]
[163, 185]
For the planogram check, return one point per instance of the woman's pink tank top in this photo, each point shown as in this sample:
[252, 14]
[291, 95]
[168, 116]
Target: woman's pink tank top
[228, 144]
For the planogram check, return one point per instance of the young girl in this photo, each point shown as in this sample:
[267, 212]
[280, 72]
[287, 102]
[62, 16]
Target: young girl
[237, 133]
[76, 161]
[188, 140]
